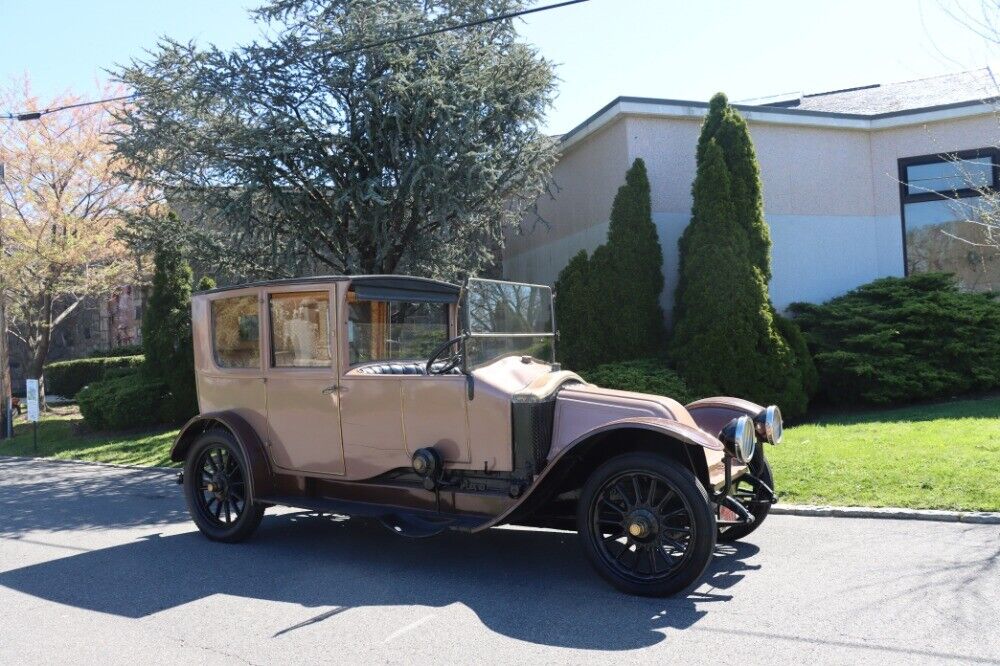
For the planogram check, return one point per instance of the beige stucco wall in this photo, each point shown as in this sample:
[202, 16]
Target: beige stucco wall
[831, 197]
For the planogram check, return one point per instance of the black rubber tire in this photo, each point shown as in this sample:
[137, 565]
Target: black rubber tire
[695, 500]
[762, 470]
[253, 511]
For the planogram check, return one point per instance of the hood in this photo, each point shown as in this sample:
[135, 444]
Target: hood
[583, 407]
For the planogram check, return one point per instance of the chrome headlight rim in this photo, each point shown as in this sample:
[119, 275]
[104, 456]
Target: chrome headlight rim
[769, 425]
[739, 437]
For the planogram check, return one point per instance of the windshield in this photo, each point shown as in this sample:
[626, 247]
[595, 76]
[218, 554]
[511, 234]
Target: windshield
[508, 318]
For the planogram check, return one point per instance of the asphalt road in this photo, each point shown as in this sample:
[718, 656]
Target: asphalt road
[102, 564]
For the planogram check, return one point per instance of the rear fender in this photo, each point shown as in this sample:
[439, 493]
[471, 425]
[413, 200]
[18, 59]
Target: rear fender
[681, 442]
[712, 414]
[261, 480]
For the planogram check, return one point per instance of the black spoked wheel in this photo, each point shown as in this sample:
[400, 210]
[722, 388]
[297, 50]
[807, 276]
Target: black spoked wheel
[647, 524]
[752, 496]
[217, 489]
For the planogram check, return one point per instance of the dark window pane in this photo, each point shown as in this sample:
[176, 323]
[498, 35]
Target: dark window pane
[235, 332]
[946, 236]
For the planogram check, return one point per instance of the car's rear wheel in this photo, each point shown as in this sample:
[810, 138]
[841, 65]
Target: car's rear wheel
[751, 496]
[216, 488]
[647, 524]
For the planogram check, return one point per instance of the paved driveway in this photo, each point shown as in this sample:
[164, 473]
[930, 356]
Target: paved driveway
[99, 563]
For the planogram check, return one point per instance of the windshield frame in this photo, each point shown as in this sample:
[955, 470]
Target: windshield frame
[468, 334]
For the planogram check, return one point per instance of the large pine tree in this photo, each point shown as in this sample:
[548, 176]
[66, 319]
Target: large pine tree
[608, 306]
[726, 339]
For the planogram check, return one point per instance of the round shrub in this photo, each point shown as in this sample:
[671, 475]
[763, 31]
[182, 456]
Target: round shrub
[903, 339]
[647, 375]
[66, 378]
[123, 403]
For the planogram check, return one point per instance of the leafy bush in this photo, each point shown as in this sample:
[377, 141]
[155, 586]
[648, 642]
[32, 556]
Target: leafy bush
[66, 378]
[121, 403]
[124, 350]
[903, 339]
[648, 375]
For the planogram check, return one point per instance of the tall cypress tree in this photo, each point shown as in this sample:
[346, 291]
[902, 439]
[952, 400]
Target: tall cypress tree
[608, 306]
[725, 337]
[166, 333]
[630, 269]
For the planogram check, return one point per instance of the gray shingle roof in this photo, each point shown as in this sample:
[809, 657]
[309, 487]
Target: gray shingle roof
[971, 86]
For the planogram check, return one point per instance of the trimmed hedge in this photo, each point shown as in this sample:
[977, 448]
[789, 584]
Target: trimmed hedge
[906, 339]
[648, 375]
[66, 378]
[122, 403]
[124, 350]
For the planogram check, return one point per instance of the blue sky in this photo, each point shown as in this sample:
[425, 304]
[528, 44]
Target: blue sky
[603, 48]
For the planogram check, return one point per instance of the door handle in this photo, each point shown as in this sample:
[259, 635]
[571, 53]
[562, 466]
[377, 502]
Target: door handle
[330, 389]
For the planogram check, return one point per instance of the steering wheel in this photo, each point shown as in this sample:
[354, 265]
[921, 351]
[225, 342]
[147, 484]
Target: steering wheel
[451, 362]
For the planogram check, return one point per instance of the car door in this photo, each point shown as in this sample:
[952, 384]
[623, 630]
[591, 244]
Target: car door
[390, 408]
[303, 403]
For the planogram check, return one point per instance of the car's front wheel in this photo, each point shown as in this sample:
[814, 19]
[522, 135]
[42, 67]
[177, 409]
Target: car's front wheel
[216, 489]
[647, 524]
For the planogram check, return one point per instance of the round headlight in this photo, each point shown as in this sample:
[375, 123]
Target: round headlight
[769, 424]
[739, 438]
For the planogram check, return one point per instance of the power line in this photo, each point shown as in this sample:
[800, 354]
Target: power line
[35, 115]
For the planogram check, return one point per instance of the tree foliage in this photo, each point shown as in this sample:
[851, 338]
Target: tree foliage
[608, 306]
[62, 202]
[296, 154]
[904, 339]
[725, 338]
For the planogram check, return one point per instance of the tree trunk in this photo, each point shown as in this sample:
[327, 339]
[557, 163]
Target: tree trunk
[38, 349]
[5, 387]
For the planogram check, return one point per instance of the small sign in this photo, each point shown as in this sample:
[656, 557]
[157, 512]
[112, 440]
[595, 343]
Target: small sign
[31, 388]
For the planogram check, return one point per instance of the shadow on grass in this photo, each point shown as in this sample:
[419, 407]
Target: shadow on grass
[970, 408]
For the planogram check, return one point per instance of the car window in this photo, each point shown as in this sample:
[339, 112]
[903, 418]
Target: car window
[300, 330]
[235, 332]
[394, 330]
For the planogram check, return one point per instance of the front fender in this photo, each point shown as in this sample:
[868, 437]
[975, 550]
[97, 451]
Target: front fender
[712, 414]
[252, 448]
[540, 489]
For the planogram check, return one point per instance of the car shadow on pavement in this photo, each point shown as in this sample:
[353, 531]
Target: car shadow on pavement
[527, 584]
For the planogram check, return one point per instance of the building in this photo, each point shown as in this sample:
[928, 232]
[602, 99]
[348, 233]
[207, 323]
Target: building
[858, 184]
[98, 325]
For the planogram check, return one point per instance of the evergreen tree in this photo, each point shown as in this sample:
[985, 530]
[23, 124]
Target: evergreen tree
[166, 333]
[608, 306]
[630, 269]
[574, 305]
[725, 339]
[733, 136]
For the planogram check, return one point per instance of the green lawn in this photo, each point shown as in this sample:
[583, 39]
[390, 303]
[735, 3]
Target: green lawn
[61, 435]
[940, 456]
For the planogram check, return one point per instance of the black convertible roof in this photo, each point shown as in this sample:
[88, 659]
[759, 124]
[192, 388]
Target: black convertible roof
[370, 287]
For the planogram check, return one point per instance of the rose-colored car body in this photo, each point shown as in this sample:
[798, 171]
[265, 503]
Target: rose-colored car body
[342, 438]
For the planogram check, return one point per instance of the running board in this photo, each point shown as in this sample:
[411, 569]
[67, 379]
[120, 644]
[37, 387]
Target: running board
[423, 523]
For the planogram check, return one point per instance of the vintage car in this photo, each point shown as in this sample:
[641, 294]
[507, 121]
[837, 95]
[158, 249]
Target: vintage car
[432, 406]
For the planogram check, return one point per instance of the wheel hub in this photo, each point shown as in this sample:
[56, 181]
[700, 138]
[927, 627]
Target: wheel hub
[641, 524]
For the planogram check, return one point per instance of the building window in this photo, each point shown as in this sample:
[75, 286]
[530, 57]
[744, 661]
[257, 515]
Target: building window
[943, 199]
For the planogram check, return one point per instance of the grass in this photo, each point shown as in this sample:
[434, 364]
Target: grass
[938, 456]
[61, 434]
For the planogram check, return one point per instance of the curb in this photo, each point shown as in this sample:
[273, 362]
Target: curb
[809, 510]
[893, 513]
[95, 463]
